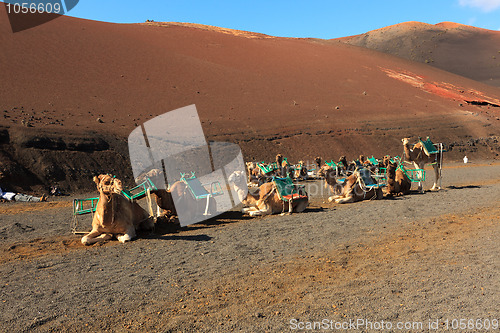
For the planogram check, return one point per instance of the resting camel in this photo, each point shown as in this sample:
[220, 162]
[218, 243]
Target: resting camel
[301, 171]
[329, 174]
[419, 158]
[266, 200]
[115, 215]
[398, 182]
[353, 190]
[255, 174]
[279, 164]
[180, 198]
[251, 167]
[317, 161]
[286, 169]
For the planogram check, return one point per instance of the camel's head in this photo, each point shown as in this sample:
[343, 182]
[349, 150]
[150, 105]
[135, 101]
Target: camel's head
[251, 165]
[279, 159]
[385, 161]
[237, 178]
[317, 160]
[328, 173]
[108, 184]
[405, 141]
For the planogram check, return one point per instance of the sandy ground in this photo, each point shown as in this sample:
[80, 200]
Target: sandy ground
[421, 257]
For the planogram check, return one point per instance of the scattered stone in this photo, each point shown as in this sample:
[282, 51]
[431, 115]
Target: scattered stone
[99, 120]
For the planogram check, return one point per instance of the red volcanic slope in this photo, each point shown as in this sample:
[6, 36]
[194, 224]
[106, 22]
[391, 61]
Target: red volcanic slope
[461, 49]
[301, 97]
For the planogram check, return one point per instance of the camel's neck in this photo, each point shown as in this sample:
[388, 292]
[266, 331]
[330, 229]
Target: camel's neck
[330, 180]
[408, 152]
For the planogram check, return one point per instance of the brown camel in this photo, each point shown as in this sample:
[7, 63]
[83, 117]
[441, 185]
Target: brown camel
[398, 182]
[317, 161]
[279, 165]
[180, 198]
[354, 190]
[286, 169]
[301, 171]
[266, 200]
[115, 215]
[419, 158]
[329, 174]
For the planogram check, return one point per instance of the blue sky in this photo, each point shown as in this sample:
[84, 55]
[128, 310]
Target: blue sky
[321, 19]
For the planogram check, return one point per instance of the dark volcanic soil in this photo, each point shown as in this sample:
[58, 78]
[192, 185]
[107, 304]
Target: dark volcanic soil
[421, 257]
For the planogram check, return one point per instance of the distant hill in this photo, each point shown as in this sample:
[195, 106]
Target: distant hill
[465, 50]
[72, 91]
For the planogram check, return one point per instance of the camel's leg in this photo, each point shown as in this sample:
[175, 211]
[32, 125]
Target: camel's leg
[420, 184]
[436, 187]
[261, 211]
[247, 210]
[92, 237]
[335, 197]
[345, 200]
[127, 237]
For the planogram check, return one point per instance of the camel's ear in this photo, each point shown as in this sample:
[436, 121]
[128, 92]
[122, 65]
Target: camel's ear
[96, 180]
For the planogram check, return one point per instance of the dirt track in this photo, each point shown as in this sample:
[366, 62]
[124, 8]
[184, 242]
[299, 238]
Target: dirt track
[414, 258]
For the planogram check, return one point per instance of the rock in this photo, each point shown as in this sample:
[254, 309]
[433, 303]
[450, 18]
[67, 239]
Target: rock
[99, 120]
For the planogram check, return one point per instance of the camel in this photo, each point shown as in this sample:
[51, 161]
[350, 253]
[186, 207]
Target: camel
[348, 168]
[251, 167]
[419, 158]
[286, 169]
[255, 174]
[279, 164]
[354, 190]
[317, 161]
[343, 162]
[266, 200]
[179, 198]
[329, 174]
[398, 182]
[115, 215]
[301, 171]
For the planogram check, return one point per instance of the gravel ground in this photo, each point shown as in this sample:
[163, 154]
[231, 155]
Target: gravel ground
[417, 258]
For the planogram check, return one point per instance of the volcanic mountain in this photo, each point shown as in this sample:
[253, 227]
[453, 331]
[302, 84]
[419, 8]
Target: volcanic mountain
[461, 49]
[72, 91]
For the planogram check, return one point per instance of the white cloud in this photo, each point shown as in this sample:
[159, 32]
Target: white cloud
[485, 5]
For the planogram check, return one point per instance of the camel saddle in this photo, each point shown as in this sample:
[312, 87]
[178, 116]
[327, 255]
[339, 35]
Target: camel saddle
[429, 147]
[287, 190]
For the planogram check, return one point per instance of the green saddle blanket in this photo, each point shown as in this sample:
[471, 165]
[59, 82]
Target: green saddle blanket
[287, 190]
[429, 147]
